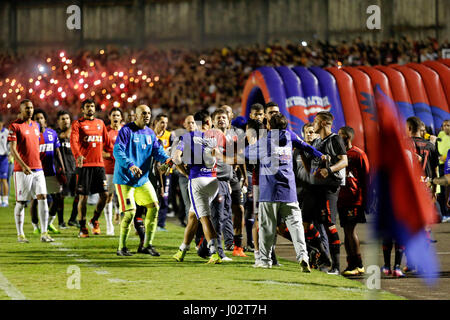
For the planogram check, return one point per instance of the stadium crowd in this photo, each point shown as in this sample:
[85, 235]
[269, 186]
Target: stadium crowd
[177, 81]
[216, 178]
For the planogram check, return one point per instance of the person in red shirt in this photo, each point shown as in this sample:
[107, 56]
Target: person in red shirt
[352, 199]
[115, 116]
[29, 179]
[88, 138]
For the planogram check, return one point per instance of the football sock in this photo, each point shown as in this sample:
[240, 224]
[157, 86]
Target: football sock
[73, 215]
[109, 216]
[358, 261]
[237, 240]
[125, 228]
[151, 221]
[184, 247]
[82, 224]
[43, 214]
[19, 215]
[387, 248]
[398, 254]
[96, 215]
[51, 219]
[5, 199]
[140, 228]
[212, 245]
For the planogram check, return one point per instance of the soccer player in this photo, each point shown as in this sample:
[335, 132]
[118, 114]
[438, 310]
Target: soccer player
[88, 138]
[203, 185]
[50, 154]
[4, 165]
[256, 116]
[136, 144]
[278, 195]
[352, 201]
[320, 201]
[165, 137]
[64, 131]
[115, 117]
[237, 196]
[221, 205]
[29, 179]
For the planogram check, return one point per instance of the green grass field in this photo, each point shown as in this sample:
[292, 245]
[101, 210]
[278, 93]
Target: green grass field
[42, 271]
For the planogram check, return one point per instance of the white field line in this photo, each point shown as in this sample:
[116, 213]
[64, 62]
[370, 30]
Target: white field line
[9, 289]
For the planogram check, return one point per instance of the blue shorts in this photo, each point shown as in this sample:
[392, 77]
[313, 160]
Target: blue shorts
[4, 166]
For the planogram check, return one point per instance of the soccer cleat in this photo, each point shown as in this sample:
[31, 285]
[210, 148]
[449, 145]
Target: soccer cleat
[179, 256]
[124, 252]
[53, 230]
[304, 265]
[261, 264]
[161, 229]
[361, 270]
[75, 224]
[95, 226]
[333, 271]
[63, 226]
[409, 269]
[37, 231]
[238, 252]
[351, 272]
[46, 238]
[397, 273]
[110, 232]
[226, 259]
[386, 270]
[84, 233]
[215, 259]
[22, 239]
[149, 250]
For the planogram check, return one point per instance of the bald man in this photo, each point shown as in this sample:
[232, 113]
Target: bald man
[135, 145]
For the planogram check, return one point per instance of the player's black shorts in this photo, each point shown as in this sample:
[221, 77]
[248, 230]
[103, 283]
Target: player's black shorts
[353, 214]
[91, 180]
[319, 204]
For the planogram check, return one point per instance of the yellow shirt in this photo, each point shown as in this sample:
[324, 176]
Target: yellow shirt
[165, 139]
[444, 145]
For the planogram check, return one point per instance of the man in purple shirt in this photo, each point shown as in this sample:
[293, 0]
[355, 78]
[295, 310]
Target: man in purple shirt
[278, 194]
[49, 152]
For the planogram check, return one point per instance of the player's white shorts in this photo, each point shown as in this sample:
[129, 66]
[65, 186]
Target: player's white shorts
[28, 186]
[53, 185]
[110, 183]
[202, 192]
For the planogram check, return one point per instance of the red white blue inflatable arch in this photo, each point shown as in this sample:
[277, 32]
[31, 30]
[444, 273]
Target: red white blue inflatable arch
[421, 90]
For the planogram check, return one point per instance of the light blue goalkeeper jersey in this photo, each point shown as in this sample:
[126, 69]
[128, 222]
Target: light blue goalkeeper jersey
[136, 146]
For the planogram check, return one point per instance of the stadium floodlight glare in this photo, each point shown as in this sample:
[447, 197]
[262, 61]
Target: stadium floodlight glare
[304, 43]
[41, 68]
[37, 83]
[63, 95]
[82, 96]
[56, 103]
[61, 54]
[202, 61]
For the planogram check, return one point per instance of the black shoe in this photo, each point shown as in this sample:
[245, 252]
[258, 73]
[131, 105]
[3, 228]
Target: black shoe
[148, 250]
[124, 252]
[63, 226]
[205, 254]
[75, 224]
[183, 224]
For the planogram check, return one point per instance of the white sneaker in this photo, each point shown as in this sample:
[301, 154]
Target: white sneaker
[46, 238]
[260, 264]
[445, 219]
[110, 232]
[226, 259]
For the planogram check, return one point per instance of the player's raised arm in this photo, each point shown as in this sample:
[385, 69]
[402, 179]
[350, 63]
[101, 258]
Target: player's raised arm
[302, 145]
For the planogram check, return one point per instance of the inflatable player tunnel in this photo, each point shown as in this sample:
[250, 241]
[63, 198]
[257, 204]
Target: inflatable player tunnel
[421, 90]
